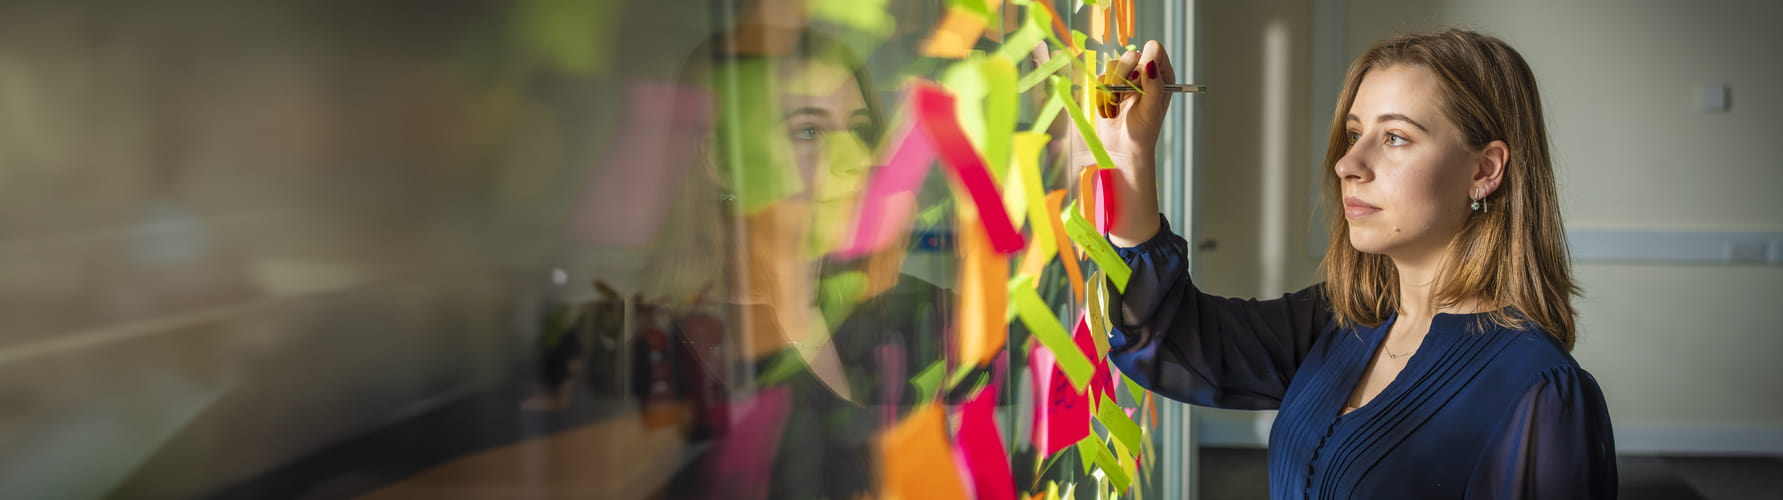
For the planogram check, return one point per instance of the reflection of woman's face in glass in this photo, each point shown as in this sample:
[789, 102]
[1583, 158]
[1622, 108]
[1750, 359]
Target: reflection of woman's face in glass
[828, 123]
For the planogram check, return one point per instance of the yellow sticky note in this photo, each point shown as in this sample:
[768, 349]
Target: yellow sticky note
[1028, 146]
[1100, 251]
[983, 295]
[956, 35]
[916, 461]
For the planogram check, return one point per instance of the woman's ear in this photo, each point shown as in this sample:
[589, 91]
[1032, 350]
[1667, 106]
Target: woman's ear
[1489, 167]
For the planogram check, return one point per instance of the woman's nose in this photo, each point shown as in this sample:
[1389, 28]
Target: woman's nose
[1353, 165]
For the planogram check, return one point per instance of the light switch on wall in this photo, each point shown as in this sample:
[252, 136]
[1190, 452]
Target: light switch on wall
[1715, 98]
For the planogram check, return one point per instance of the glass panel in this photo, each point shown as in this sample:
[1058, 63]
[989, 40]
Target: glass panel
[550, 248]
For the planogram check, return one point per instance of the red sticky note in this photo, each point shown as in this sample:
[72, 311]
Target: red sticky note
[1105, 205]
[745, 457]
[981, 448]
[1102, 383]
[936, 108]
[890, 199]
[1061, 412]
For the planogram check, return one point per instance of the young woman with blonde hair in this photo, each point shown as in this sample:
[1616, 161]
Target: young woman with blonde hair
[1433, 360]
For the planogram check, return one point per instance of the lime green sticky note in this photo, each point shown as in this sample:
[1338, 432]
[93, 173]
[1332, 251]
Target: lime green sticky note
[1134, 389]
[1018, 44]
[1088, 130]
[1095, 311]
[1058, 61]
[1048, 112]
[868, 16]
[1119, 425]
[980, 7]
[965, 80]
[570, 35]
[838, 294]
[1039, 319]
[928, 379]
[1040, 16]
[758, 160]
[1124, 456]
[1015, 198]
[1100, 251]
[1001, 104]
[1093, 451]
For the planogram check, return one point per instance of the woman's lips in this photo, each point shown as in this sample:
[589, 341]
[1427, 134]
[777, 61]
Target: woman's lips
[1354, 207]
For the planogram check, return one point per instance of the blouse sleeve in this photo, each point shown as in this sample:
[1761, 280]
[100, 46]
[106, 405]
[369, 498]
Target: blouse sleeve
[1202, 349]
[1557, 443]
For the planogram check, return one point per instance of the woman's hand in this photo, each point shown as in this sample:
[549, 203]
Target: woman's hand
[1128, 126]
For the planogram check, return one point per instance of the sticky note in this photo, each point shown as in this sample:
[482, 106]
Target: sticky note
[1001, 104]
[867, 16]
[1105, 202]
[573, 37]
[1027, 149]
[1097, 247]
[958, 33]
[744, 458]
[1119, 425]
[1039, 319]
[1061, 411]
[836, 189]
[1066, 254]
[757, 159]
[1095, 312]
[1047, 15]
[981, 447]
[983, 296]
[1098, 22]
[1102, 378]
[1025, 38]
[1046, 70]
[1093, 451]
[929, 379]
[1084, 127]
[890, 199]
[916, 461]
[628, 196]
[936, 109]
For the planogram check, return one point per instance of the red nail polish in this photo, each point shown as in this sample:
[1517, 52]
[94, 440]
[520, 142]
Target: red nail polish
[1133, 75]
[1151, 69]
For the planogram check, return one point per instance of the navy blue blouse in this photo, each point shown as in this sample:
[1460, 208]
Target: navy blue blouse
[1478, 412]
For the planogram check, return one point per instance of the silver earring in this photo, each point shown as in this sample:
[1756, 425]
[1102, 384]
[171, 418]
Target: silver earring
[1477, 206]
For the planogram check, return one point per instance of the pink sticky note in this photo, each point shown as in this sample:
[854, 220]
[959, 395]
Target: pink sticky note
[936, 109]
[980, 447]
[744, 460]
[890, 199]
[630, 192]
[1061, 412]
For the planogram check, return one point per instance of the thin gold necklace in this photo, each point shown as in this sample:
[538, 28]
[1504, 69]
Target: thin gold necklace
[1390, 354]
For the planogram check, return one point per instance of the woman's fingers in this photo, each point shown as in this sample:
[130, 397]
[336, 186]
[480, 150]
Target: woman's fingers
[1156, 71]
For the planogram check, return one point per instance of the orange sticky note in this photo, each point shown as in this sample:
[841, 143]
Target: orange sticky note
[956, 35]
[982, 325]
[1098, 22]
[1069, 257]
[916, 461]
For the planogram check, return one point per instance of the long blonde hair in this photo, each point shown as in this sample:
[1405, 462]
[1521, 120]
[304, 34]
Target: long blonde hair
[1513, 254]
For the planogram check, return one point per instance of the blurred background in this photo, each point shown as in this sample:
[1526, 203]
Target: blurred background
[343, 249]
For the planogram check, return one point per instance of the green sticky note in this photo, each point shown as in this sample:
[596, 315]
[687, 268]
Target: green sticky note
[1119, 425]
[965, 80]
[1048, 112]
[1001, 104]
[868, 16]
[1062, 89]
[1134, 389]
[1039, 16]
[570, 35]
[838, 294]
[1018, 44]
[1095, 311]
[1095, 452]
[928, 379]
[979, 7]
[758, 160]
[1059, 61]
[1125, 457]
[1100, 251]
[1040, 321]
[1015, 197]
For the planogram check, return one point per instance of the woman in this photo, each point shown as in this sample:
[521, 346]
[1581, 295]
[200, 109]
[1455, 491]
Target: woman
[1433, 360]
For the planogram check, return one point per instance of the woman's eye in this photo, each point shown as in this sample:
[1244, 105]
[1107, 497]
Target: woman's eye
[1352, 137]
[1396, 140]
[807, 133]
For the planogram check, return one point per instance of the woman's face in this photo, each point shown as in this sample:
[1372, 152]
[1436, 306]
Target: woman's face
[1407, 175]
[827, 122]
